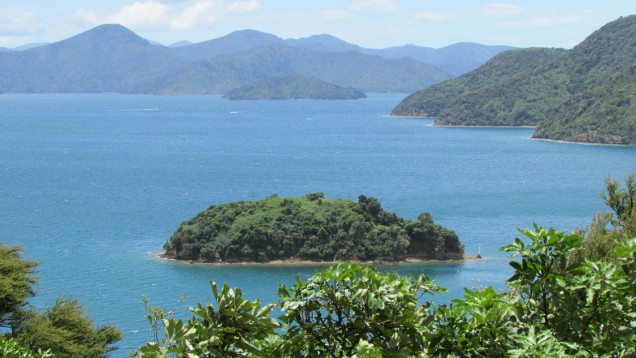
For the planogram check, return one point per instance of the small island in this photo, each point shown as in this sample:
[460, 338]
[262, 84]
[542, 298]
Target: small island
[293, 87]
[309, 228]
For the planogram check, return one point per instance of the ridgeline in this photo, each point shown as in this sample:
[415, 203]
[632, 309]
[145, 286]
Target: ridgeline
[309, 228]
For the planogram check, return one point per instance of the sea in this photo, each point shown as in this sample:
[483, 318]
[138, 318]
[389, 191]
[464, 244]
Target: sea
[92, 186]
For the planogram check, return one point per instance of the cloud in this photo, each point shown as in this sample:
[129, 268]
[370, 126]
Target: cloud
[336, 14]
[501, 10]
[19, 21]
[373, 6]
[181, 15]
[435, 15]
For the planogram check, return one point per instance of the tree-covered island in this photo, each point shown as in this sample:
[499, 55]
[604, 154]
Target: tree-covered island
[309, 228]
[293, 87]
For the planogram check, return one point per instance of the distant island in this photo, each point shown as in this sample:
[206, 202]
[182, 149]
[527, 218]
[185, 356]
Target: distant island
[293, 87]
[309, 228]
[581, 95]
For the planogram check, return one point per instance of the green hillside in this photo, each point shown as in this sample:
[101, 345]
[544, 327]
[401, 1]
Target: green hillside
[278, 88]
[605, 113]
[309, 228]
[430, 101]
[527, 97]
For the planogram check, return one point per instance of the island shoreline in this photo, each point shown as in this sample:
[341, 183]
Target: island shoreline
[298, 262]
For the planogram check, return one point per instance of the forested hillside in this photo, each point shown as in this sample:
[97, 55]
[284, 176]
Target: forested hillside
[430, 101]
[531, 95]
[605, 113]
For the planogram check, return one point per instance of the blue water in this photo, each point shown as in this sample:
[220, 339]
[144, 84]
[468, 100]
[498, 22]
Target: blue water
[93, 185]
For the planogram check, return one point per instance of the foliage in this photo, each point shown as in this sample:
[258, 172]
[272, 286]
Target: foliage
[66, 331]
[610, 227]
[479, 325]
[309, 228]
[235, 328]
[11, 348]
[62, 330]
[16, 284]
[293, 87]
[336, 310]
[346, 310]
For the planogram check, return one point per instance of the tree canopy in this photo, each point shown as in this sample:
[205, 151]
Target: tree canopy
[16, 284]
[309, 228]
[63, 330]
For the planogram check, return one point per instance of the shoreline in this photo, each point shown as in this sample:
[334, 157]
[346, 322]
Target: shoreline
[454, 126]
[584, 143]
[546, 139]
[297, 262]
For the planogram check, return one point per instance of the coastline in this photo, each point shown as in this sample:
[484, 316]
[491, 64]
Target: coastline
[454, 126]
[584, 143]
[297, 262]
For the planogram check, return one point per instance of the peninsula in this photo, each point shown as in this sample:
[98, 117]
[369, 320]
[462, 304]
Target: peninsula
[309, 228]
[585, 94]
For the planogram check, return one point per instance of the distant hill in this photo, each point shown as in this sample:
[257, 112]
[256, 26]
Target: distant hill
[233, 43]
[525, 96]
[294, 87]
[323, 43]
[181, 43]
[455, 59]
[108, 58]
[348, 69]
[111, 58]
[430, 101]
[30, 46]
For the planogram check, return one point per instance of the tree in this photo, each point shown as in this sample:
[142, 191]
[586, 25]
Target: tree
[66, 331]
[609, 227]
[16, 284]
[348, 305]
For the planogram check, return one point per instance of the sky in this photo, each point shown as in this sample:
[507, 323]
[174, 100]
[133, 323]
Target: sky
[368, 23]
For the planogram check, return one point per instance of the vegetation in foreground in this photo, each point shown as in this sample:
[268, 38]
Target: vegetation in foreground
[568, 296]
[309, 228]
[63, 330]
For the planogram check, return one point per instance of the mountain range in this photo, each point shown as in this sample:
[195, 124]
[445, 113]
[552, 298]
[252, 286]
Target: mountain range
[585, 94]
[111, 58]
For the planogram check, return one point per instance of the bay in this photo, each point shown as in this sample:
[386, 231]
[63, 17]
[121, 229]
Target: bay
[92, 186]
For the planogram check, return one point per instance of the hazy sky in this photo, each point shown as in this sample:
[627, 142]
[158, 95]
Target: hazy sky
[369, 23]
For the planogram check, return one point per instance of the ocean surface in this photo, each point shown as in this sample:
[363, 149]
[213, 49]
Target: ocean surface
[93, 185]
